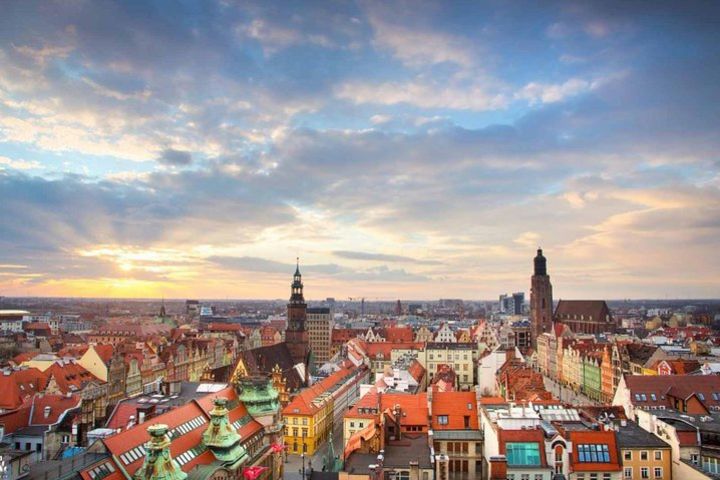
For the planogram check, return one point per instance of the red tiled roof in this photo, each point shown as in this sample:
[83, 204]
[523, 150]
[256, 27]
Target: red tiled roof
[414, 407]
[24, 357]
[105, 352]
[580, 437]
[679, 386]
[59, 404]
[16, 419]
[137, 435]
[457, 406]
[399, 334]
[416, 370]
[124, 441]
[369, 400]
[19, 385]
[524, 436]
[303, 404]
[69, 376]
[384, 349]
[121, 415]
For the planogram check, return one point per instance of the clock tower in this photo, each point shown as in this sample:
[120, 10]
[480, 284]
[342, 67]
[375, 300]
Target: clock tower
[296, 336]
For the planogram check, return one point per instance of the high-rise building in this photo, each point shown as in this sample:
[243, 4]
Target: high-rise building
[319, 325]
[541, 302]
[296, 335]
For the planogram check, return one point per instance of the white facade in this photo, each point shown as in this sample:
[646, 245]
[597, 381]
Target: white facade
[445, 335]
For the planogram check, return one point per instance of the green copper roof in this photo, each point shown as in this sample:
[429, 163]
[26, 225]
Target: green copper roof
[259, 396]
[158, 464]
[221, 438]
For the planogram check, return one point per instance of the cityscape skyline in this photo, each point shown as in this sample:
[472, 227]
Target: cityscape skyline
[425, 152]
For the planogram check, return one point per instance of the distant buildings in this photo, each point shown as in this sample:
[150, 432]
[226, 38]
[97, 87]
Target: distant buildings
[512, 304]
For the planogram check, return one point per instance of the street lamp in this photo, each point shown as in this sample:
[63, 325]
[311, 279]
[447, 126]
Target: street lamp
[302, 471]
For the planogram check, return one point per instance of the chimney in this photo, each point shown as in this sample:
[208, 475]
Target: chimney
[509, 354]
[414, 470]
[498, 468]
[442, 464]
[397, 413]
[47, 411]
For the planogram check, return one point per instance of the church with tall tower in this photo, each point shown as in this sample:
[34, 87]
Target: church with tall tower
[541, 299]
[296, 336]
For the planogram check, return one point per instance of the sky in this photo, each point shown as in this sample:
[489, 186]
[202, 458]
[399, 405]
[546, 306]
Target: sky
[416, 150]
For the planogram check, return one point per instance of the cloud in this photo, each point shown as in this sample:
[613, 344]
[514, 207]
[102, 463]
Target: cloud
[19, 164]
[422, 94]
[175, 158]
[420, 47]
[354, 135]
[381, 257]
[547, 93]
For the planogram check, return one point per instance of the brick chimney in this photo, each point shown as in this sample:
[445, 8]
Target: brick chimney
[509, 354]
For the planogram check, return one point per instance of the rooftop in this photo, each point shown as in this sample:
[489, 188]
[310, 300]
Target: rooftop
[633, 436]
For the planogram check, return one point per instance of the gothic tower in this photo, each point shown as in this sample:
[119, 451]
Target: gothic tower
[296, 336]
[541, 303]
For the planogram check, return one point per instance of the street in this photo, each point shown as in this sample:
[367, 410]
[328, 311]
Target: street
[566, 394]
[293, 464]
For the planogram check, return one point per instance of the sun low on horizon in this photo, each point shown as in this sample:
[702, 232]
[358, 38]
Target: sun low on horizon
[416, 150]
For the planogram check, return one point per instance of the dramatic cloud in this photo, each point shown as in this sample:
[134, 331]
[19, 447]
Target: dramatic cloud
[400, 150]
[175, 157]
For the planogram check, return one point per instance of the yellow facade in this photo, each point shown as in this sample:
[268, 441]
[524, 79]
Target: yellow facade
[646, 463]
[306, 433]
[92, 362]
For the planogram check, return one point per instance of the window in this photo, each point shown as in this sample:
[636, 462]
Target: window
[522, 453]
[653, 397]
[658, 454]
[658, 472]
[304, 421]
[715, 396]
[593, 453]
[694, 458]
[644, 472]
[352, 424]
[627, 454]
[627, 472]
[606, 476]
[510, 476]
[443, 419]
[524, 476]
[701, 397]
[644, 455]
[643, 397]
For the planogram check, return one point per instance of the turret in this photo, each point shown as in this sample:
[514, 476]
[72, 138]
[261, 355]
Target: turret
[260, 399]
[222, 439]
[158, 464]
[540, 263]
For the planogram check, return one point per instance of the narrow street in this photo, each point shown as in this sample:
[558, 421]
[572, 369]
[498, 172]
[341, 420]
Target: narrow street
[293, 464]
[566, 394]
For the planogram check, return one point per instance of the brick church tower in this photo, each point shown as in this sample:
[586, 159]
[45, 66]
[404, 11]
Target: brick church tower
[296, 336]
[541, 302]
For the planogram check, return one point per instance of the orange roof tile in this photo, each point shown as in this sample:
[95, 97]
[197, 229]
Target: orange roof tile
[414, 407]
[302, 403]
[579, 437]
[58, 404]
[456, 406]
